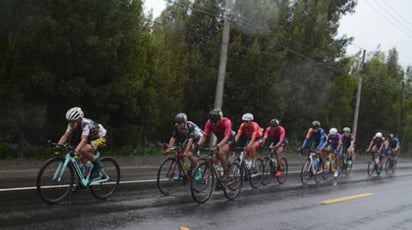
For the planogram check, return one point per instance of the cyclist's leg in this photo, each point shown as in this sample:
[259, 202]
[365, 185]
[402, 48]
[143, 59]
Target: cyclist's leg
[382, 157]
[191, 157]
[339, 154]
[222, 156]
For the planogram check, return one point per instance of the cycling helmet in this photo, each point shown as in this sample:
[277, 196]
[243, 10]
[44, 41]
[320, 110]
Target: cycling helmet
[274, 123]
[379, 135]
[333, 131]
[315, 124]
[181, 117]
[74, 113]
[247, 117]
[346, 129]
[215, 115]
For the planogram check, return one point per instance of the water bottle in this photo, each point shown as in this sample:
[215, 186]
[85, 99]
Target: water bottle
[315, 162]
[87, 168]
[184, 164]
[81, 167]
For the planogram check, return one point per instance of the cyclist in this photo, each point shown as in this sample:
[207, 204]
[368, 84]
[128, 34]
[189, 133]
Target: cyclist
[348, 144]
[377, 145]
[334, 144]
[393, 144]
[92, 137]
[318, 137]
[277, 135]
[222, 128]
[185, 133]
[254, 134]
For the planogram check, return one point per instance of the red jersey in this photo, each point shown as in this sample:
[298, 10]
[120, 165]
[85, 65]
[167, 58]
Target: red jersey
[252, 130]
[277, 134]
[224, 129]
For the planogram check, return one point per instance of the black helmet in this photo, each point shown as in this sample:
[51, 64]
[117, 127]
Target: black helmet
[315, 124]
[215, 115]
[181, 117]
[274, 123]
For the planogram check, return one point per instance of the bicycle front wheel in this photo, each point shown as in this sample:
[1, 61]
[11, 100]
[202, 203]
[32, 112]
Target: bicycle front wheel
[327, 168]
[255, 175]
[110, 178]
[267, 171]
[169, 177]
[371, 167]
[234, 185]
[306, 172]
[54, 181]
[283, 167]
[202, 184]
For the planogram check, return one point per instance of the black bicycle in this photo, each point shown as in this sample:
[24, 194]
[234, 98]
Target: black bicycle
[209, 180]
[271, 166]
[346, 164]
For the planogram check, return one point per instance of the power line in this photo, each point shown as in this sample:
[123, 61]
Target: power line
[397, 13]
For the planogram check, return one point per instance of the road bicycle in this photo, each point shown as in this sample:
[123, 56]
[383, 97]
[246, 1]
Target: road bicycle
[346, 164]
[173, 172]
[253, 175]
[310, 167]
[374, 164]
[271, 166]
[56, 177]
[211, 179]
[390, 163]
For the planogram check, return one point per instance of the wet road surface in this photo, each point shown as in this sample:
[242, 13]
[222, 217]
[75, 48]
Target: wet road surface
[383, 203]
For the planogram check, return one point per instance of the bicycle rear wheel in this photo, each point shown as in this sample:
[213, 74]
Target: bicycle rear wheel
[201, 186]
[306, 172]
[348, 167]
[371, 167]
[110, 177]
[234, 185]
[327, 168]
[53, 181]
[283, 166]
[267, 171]
[255, 175]
[169, 177]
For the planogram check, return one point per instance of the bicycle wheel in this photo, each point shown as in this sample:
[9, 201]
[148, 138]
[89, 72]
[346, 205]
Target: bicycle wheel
[306, 172]
[348, 167]
[109, 177]
[327, 168]
[201, 187]
[267, 171]
[234, 185]
[284, 170]
[371, 167]
[255, 175]
[169, 177]
[320, 174]
[53, 181]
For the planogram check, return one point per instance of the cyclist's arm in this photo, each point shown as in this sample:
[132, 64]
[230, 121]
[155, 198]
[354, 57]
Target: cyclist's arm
[281, 138]
[322, 141]
[189, 144]
[370, 146]
[223, 142]
[203, 139]
[308, 136]
[63, 139]
[239, 133]
[252, 140]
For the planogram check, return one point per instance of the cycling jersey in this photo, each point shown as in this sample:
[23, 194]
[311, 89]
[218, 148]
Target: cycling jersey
[252, 130]
[191, 130]
[277, 134]
[317, 137]
[377, 142]
[90, 128]
[347, 140]
[334, 140]
[394, 143]
[222, 130]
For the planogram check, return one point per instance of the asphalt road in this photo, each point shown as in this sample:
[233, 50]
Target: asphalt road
[354, 202]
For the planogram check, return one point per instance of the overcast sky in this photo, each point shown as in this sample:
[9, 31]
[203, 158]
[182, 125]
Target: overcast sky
[376, 23]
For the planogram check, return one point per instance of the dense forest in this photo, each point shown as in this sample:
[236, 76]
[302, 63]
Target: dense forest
[133, 73]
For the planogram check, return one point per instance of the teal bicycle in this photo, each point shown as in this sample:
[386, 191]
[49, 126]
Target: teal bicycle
[56, 178]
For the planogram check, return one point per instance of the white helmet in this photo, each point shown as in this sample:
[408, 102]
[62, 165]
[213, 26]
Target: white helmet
[247, 117]
[74, 113]
[346, 129]
[379, 135]
[333, 131]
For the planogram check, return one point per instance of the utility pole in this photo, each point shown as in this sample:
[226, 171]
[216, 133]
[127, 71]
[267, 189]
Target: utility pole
[358, 97]
[223, 56]
[398, 127]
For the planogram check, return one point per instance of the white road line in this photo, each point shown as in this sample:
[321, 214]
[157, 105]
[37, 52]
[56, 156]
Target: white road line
[59, 186]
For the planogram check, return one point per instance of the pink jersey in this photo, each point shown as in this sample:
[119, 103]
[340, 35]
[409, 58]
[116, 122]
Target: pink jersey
[252, 130]
[224, 129]
[277, 134]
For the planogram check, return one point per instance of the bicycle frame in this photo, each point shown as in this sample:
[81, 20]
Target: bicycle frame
[311, 157]
[83, 180]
